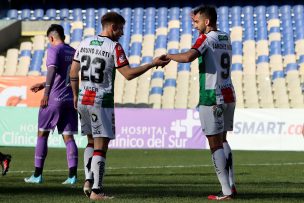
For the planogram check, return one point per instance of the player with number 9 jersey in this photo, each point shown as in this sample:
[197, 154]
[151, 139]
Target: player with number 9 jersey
[214, 68]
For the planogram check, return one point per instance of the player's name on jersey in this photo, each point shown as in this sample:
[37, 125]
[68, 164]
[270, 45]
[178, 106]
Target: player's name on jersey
[94, 51]
[94, 89]
[222, 46]
[225, 85]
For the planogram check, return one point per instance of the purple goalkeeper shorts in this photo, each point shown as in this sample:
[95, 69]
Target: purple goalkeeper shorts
[65, 117]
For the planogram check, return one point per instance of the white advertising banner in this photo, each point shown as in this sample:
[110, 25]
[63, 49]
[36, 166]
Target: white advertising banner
[268, 129]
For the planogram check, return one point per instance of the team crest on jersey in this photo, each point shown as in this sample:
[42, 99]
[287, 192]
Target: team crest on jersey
[122, 58]
[96, 43]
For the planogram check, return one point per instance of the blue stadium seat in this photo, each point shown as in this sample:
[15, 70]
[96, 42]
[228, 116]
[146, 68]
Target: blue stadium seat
[235, 16]
[237, 48]
[156, 90]
[273, 12]
[25, 53]
[162, 20]
[26, 14]
[301, 59]
[183, 67]
[263, 59]
[77, 14]
[161, 42]
[173, 51]
[261, 10]
[36, 61]
[174, 13]
[146, 59]
[274, 30]
[149, 26]
[291, 66]
[277, 74]
[158, 74]
[135, 48]
[64, 13]
[173, 34]
[38, 14]
[12, 14]
[195, 35]
[248, 11]
[51, 14]
[170, 83]
[117, 10]
[76, 35]
[150, 12]
[285, 10]
[275, 47]
[90, 21]
[90, 12]
[237, 67]
[66, 27]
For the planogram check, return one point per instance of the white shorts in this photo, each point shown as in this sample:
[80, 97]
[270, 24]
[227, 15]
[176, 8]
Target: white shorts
[217, 119]
[97, 121]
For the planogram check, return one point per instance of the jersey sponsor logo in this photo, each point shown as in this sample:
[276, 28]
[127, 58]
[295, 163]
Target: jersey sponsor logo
[222, 37]
[96, 43]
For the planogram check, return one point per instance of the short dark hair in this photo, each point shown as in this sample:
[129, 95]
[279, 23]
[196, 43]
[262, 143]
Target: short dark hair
[112, 17]
[208, 11]
[58, 29]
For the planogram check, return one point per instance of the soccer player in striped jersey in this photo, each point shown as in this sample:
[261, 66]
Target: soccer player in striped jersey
[56, 108]
[97, 58]
[217, 97]
[5, 160]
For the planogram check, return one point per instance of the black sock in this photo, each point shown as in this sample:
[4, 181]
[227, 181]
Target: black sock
[38, 171]
[72, 172]
[97, 191]
[2, 156]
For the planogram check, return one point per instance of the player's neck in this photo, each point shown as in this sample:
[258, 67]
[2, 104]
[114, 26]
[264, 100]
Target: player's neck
[210, 28]
[106, 33]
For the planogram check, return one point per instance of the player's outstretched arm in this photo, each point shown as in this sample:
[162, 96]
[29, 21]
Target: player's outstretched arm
[37, 87]
[74, 78]
[131, 73]
[185, 57]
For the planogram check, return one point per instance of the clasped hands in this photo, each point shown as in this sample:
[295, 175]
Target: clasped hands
[162, 61]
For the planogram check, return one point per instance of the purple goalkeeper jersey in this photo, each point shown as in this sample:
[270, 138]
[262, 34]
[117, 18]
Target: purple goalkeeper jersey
[60, 57]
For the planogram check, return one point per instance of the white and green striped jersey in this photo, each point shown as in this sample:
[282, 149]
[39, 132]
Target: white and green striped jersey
[98, 57]
[215, 53]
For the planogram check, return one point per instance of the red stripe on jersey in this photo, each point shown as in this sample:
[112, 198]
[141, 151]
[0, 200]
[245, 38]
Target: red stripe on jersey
[121, 58]
[88, 98]
[200, 40]
[99, 153]
[228, 95]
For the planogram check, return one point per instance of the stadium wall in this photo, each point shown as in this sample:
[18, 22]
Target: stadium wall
[13, 27]
[254, 129]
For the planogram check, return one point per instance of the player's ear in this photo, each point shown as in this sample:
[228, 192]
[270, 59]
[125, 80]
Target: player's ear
[207, 22]
[114, 27]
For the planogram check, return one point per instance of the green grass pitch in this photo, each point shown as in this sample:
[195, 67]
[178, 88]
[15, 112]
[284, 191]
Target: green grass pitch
[159, 176]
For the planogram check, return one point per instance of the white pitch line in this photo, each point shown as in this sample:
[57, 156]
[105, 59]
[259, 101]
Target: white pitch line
[177, 166]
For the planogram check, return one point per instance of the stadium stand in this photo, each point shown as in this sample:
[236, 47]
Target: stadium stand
[267, 44]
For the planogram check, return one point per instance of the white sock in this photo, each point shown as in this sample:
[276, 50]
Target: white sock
[219, 161]
[229, 158]
[87, 159]
[98, 169]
